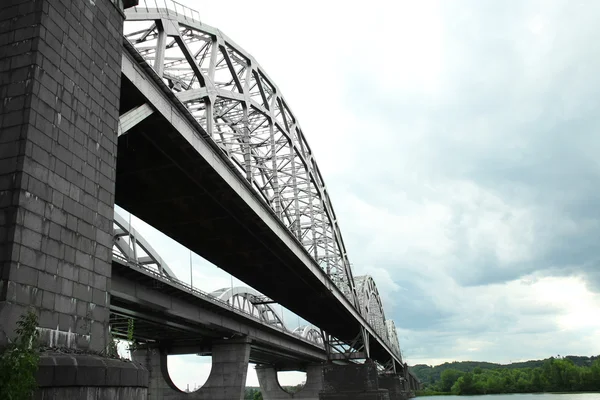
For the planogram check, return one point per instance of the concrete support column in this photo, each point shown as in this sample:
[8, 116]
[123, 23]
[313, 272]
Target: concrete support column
[396, 387]
[159, 381]
[271, 390]
[60, 77]
[352, 382]
[414, 383]
[227, 379]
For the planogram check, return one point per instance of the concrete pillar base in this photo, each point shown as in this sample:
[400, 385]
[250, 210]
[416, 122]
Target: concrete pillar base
[352, 382]
[271, 390]
[80, 376]
[396, 387]
[227, 379]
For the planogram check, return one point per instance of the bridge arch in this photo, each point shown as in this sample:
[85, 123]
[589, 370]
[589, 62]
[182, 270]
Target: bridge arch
[393, 337]
[133, 248]
[244, 112]
[310, 333]
[250, 301]
[371, 306]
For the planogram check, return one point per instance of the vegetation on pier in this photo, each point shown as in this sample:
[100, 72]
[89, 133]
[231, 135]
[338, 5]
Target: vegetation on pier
[19, 361]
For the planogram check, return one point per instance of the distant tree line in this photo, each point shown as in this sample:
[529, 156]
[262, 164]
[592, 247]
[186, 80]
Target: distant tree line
[569, 374]
[253, 393]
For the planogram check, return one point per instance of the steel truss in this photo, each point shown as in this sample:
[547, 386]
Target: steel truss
[252, 302]
[245, 113]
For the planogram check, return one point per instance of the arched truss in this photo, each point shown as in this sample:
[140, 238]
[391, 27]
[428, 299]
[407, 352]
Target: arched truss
[310, 333]
[243, 110]
[132, 247]
[252, 302]
[393, 336]
[371, 308]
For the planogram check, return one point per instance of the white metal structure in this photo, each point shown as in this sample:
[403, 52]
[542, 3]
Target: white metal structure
[251, 301]
[132, 246]
[244, 112]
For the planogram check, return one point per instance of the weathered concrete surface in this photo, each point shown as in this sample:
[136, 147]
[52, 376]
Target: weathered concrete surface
[82, 376]
[59, 84]
[396, 387]
[352, 382]
[227, 379]
[96, 393]
[271, 390]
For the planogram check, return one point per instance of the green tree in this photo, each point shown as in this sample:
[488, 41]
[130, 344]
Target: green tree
[536, 381]
[448, 378]
[568, 374]
[493, 383]
[258, 396]
[19, 361]
[251, 392]
[465, 385]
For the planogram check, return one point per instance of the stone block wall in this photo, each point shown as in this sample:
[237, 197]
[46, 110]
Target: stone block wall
[59, 97]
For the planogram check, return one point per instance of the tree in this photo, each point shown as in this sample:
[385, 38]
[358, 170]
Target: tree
[258, 396]
[567, 374]
[19, 361]
[464, 385]
[448, 378]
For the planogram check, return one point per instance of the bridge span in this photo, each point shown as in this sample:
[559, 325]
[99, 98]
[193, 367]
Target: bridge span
[172, 317]
[220, 164]
[171, 314]
[142, 105]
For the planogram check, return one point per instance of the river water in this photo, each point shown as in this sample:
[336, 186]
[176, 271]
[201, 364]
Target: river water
[533, 396]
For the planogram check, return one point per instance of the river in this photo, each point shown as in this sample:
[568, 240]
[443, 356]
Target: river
[532, 396]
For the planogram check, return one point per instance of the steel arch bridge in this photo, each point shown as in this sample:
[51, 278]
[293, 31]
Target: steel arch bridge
[232, 97]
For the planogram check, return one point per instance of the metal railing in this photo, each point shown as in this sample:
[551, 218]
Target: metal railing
[171, 7]
[204, 295]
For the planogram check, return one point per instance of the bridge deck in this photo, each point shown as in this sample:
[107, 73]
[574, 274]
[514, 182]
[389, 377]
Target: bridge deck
[171, 175]
[186, 322]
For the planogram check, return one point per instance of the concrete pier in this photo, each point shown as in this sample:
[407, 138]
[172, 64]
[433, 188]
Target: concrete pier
[352, 382]
[272, 390]
[60, 77]
[77, 376]
[396, 386]
[60, 83]
[227, 379]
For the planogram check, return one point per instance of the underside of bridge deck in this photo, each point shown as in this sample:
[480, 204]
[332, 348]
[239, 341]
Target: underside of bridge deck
[163, 180]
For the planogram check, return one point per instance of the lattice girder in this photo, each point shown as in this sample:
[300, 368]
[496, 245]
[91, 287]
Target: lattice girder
[132, 247]
[371, 308]
[241, 108]
[247, 299]
[310, 333]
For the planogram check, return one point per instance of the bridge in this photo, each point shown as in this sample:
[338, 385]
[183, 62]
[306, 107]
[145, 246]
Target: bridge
[173, 121]
[174, 317]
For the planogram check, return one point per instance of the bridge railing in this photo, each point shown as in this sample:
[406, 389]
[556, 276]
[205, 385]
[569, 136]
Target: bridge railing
[204, 295]
[170, 7]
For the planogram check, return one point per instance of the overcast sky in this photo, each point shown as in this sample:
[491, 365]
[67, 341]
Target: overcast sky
[459, 142]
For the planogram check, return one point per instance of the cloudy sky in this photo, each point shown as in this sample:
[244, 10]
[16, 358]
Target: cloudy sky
[459, 141]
